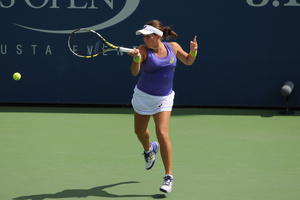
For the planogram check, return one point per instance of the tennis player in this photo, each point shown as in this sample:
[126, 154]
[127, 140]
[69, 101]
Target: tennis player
[153, 94]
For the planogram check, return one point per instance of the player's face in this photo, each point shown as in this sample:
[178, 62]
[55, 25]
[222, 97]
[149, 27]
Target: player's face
[151, 40]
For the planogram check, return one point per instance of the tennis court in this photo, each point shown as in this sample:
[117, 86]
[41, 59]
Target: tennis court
[92, 153]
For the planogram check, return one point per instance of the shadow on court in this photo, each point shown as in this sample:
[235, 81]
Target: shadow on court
[80, 193]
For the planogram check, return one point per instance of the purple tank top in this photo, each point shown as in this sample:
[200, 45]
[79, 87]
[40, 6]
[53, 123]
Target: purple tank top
[157, 73]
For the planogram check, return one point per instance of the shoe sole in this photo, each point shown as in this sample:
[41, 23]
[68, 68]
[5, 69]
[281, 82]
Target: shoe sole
[150, 166]
[165, 191]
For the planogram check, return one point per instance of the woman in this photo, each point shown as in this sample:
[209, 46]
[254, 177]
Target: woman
[153, 94]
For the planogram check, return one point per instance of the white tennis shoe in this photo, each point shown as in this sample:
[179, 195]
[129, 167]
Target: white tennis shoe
[167, 184]
[151, 156]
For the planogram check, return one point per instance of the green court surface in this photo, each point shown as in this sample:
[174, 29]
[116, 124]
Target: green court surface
[93, 153]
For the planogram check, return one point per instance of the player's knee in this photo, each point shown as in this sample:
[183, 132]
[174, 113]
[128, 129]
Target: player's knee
[162, 136]
[140, 132]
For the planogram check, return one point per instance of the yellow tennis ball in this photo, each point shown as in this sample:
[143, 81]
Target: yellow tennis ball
[17, 76]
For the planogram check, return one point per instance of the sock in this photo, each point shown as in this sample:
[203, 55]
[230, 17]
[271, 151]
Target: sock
[151, 149]
[169, 176]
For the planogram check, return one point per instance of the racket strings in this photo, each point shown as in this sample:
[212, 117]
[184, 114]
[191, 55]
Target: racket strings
[88, 43]
[85, 44]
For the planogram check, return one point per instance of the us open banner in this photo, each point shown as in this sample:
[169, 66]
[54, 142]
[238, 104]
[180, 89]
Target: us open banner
[247, 50]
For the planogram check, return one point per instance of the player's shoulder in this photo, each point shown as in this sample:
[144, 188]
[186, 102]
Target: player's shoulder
[142, 47]
[174, 45]
[143, 50]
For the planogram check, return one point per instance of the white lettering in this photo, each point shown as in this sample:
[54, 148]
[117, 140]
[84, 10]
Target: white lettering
[72, 5]
[74, 48]
[36, 7]
[275, 3]
[54, 4]
[19, 49]
[33, 48]
[263, 3]
[89, 50]
[93, 5]
[128, 9]
[12, 2]
[110, 3]
[48, 50]
[3, 49]
[292, 3]
[120, 53]
[104, 53]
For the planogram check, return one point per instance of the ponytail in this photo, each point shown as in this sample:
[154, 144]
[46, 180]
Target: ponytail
[168, 32]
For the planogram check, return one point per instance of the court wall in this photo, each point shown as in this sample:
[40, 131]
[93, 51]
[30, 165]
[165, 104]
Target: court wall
[247, 50]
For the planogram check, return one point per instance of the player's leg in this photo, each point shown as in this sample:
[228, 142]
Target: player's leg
[141, 129]
[162, 121]
[143, 134]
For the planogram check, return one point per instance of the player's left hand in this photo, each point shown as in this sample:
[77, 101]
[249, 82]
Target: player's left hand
[194, 44]
[135, 53]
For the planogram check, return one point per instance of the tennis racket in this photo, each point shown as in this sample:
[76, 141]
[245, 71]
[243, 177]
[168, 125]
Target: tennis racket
[87, 43]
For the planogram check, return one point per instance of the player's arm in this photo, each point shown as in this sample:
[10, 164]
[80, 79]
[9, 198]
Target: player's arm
[139, 55]
[186, 58]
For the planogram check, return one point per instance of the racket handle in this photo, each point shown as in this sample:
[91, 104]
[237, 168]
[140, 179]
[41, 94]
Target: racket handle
[123, 49]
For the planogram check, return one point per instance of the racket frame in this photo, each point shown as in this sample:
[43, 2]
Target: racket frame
[105, 42]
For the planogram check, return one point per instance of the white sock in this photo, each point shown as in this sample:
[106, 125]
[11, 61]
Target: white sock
[151, 149]
[169, 175]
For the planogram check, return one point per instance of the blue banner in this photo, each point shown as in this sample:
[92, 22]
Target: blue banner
[247, 50]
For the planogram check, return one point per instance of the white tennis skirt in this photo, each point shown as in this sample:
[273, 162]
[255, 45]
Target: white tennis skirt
[145, 104]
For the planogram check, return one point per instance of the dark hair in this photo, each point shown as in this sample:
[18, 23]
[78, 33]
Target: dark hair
[168, 32]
